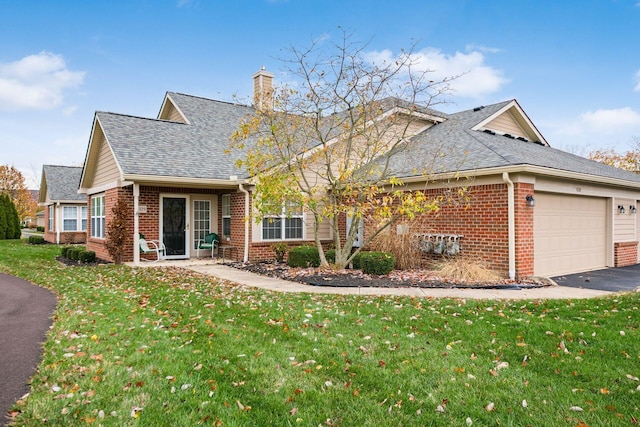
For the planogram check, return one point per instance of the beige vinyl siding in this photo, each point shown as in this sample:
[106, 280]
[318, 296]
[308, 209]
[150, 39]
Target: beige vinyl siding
[106, 169]
[324, 230]
[506, 123]
[171, 113]
[624, 225]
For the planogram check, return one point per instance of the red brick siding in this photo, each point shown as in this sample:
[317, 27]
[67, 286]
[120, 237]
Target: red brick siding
[625, 253]
[483, 222]
[66, 237]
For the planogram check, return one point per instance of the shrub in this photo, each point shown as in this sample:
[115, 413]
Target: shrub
[330, 255]
[64, 251]
[280, 250]
[356, 261]
[40, 228]
[377, 263]
[465, 269]
[304, 256]
[36, 240]
[87, 256]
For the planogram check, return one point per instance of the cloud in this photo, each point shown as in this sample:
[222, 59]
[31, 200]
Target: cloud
[36, 82]
[472, 77]
[637, 88]
[605, 125]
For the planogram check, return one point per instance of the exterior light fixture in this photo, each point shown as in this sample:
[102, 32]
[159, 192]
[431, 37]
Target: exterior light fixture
[530, 200]
[632, 209]
[620, 209]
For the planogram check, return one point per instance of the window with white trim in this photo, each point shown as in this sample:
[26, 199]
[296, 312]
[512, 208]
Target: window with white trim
[83, 218]
[51, 217]
[288, 225]
[226, 215]
[201, 219]
[97, 216]
[69, 218]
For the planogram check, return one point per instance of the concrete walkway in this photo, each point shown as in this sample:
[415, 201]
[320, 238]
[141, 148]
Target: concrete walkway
[257, 281]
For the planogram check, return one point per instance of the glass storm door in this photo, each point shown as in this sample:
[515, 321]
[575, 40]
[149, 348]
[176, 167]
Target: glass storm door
[175, 226]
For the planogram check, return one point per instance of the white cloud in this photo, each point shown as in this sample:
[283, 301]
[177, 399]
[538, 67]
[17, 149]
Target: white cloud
[36, 82]
[473, 78]
[610, 120]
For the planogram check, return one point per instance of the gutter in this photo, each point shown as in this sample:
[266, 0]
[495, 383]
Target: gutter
[511, 225]
[247, 221]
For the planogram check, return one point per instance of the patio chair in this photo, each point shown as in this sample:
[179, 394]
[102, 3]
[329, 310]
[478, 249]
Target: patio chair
[210, 242]
[152, 247]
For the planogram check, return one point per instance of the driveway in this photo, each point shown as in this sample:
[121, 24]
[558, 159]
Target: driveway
[25, 317]
[608, 279]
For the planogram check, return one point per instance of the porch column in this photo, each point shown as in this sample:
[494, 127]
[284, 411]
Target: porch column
[136, 224]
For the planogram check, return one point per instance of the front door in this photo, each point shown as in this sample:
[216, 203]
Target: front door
[175, 226]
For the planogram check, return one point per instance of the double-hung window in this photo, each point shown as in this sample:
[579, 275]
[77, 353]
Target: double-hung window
[69, 218]
[226, 215]
[285, 225]
[97, 216]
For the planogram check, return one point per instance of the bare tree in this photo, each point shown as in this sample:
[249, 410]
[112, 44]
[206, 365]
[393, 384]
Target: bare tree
[327, 141]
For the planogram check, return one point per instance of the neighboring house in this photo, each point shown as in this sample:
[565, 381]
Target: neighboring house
[533, 210]
[65, 210]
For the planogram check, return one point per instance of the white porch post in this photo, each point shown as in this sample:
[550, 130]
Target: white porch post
[58, 221]
[136, 224]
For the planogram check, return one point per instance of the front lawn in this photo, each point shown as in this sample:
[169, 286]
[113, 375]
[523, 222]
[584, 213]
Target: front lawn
[165, 346]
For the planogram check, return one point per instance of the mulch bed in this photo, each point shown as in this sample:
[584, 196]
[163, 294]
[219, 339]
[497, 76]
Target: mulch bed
[356, 278]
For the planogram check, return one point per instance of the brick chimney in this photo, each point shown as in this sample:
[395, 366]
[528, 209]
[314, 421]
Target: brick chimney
[263, 89]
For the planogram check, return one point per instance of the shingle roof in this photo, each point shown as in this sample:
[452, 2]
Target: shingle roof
[162, 148]
[63, 182]
[154, 147]
[453, 146]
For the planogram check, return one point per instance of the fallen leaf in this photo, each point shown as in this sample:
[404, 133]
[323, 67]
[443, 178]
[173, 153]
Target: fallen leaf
[489, 407]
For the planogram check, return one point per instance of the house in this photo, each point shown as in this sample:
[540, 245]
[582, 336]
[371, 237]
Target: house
[65, 210]
[533, 210]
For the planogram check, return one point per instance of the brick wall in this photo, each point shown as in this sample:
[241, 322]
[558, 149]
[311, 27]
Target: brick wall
[66, 237]
[625, 253]
[483, 223]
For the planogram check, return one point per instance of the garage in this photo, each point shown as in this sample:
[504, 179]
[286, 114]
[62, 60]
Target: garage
[570, 234]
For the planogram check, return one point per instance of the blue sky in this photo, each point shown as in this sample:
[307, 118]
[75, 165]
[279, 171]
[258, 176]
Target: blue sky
[574, 65]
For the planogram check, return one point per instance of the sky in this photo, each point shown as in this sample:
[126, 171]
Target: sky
[573, 65]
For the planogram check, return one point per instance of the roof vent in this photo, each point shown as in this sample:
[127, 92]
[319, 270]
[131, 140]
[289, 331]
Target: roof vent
[489, 131]
[478, 108]
[508, 135]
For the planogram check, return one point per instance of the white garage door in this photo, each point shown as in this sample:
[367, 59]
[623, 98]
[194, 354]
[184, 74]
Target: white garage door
[569, 234]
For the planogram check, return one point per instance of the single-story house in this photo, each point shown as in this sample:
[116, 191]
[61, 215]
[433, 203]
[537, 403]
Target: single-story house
[533, 210]
[65, 210]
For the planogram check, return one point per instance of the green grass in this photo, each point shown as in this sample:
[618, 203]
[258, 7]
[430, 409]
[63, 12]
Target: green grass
[168, 347]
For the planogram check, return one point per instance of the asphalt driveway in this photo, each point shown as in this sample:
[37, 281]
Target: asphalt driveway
[25, 317]
[608, 279]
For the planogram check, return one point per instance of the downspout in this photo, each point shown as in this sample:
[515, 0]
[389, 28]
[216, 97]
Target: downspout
[511, 224]
[57, 222]
[247, 221]
[136, 224]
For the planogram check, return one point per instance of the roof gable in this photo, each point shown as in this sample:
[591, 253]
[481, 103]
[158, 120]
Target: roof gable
[60, 184]
[170, 111]
[511, 121]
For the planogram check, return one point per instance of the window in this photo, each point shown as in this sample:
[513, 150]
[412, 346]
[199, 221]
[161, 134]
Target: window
[83, 218]
[226, 215]
[201, 219]
[69, 218]
[97, 216]
[288, 224]
[51, 217]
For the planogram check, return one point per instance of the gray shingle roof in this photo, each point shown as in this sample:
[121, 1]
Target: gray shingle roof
[63, 182]
[453, 146]
[162, 148]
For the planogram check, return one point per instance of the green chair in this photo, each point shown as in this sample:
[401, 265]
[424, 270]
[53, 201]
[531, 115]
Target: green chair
[210, 243]
[152, 247]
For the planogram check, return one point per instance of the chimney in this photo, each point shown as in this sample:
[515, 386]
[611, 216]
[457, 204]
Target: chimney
[263, 89]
